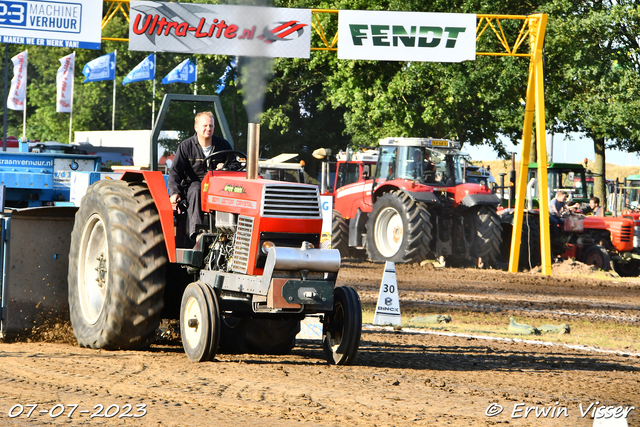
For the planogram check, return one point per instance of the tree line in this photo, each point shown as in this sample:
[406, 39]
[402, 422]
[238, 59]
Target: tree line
[592, 86]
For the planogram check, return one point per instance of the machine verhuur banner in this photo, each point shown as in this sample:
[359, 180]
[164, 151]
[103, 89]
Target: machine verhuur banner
[64, 84]
[406, 36]
[146, 70]
[220, 29]
[18, 92]
[52, 23]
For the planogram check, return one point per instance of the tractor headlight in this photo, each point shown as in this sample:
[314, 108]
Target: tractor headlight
[266, 246]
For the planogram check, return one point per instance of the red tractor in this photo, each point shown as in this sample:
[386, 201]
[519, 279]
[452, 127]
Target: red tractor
[252, 275]
[409, 201]
[599, 241]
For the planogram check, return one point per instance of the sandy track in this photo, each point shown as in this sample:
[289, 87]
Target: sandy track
[399, 378]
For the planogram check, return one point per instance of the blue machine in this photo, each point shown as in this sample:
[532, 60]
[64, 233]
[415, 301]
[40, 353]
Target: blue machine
[41, 179]
[36, 219]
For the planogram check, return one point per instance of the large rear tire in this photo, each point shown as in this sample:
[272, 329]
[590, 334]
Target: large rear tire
[342, 328]
[483, 233]
[399, 229]
[117, 264]
[529, 256]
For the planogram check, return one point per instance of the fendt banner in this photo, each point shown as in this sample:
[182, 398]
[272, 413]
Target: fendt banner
[73, 24]
[406, 36]
[220, 29]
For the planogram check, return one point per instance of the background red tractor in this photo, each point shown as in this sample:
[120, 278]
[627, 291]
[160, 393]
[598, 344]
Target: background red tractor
[401, 208]
[603, 242]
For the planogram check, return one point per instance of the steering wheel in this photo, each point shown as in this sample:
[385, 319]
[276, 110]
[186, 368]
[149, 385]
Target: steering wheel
[228, 159]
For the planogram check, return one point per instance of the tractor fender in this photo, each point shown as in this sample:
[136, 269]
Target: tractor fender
[418, 196]
[357, 226]
[471, 200]
[158, 189]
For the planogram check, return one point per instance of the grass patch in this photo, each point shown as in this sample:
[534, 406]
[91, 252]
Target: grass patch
[591, 332]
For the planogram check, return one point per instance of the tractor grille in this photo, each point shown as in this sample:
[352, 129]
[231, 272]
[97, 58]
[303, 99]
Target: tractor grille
[291, 201]
[626, 234]
[243, 244]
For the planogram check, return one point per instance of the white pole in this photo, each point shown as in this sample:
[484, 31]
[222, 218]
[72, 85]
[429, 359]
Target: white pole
[24, 111]
[153, 105]
[72, 89]
[195, 86]
[113, 108]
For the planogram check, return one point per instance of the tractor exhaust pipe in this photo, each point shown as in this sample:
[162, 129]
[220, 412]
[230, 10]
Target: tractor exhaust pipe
[253, 145]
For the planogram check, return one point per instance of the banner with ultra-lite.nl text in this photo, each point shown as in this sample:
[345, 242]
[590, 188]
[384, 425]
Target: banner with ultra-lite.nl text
[220, 29]
[54, 23]
[406, 36]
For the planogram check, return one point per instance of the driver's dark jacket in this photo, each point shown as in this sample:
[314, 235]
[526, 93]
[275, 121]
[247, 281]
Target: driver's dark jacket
[188, 164]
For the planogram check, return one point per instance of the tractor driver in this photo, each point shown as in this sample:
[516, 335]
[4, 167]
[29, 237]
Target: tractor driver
[557, 207]
[188, 168]
[429, 166]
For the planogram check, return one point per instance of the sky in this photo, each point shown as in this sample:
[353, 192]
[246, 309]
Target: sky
[564, 151]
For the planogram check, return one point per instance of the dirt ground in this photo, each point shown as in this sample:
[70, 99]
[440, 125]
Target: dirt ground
[400, 377]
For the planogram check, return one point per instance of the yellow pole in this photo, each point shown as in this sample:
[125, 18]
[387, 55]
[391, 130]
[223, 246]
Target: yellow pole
[521, 183]
[545, 240]
[534, 103]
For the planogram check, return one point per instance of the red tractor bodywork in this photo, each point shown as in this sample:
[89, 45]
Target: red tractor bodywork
[233, 193]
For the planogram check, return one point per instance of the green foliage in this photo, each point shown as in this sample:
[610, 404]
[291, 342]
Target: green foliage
[591, 76]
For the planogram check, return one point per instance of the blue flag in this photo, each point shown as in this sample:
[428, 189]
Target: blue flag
[222, 81]
[183, 73]
[103, 68]
[146, 70]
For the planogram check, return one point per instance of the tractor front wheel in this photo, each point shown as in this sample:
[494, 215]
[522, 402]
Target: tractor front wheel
[199, 322]
[342, 327]
[117, 262]
[399, 229]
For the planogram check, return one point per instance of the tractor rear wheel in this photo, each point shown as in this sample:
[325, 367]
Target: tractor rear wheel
[199, 322]
[342, 327]
[340, 238]
[117, 262]
[240, 335]
[399, 229]
[598, 257]
[483, 234]
[529, 241]
[627, 269]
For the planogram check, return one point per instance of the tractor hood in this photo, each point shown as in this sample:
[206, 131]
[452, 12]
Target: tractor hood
[232, 192]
